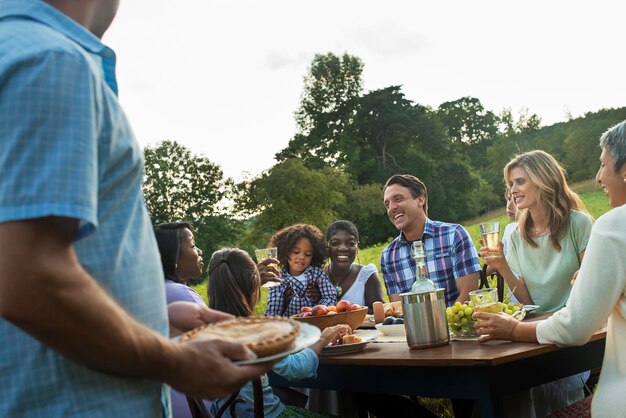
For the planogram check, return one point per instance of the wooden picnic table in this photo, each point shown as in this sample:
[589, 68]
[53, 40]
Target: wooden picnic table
[484, 372]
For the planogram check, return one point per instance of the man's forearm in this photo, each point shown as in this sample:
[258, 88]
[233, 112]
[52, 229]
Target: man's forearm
[72, 314]
[465, 285]
[47, 293]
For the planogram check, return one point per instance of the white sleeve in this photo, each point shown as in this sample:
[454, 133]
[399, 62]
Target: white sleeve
[597, 289]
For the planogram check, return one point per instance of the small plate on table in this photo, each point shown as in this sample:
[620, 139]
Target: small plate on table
[308, 336]
[396, 330]
[335, 350]
[530, 308]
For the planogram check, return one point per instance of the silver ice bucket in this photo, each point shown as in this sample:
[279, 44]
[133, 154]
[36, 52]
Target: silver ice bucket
[425, 319]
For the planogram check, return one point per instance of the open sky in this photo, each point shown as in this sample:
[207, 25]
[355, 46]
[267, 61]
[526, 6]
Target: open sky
[225, 77]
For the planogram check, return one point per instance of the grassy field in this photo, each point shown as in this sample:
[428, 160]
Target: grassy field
[595, 201]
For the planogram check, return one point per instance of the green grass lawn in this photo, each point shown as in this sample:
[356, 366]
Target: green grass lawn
[595, 201]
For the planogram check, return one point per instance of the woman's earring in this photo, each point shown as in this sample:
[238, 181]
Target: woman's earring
[175, 266]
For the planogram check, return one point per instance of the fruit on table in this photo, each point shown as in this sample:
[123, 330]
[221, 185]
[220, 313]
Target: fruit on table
[343, 305]
[398, 321]
[461, 321]
[389, 320]
[319, 310]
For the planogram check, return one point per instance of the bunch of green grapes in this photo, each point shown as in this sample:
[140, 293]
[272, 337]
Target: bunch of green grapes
[461, 321]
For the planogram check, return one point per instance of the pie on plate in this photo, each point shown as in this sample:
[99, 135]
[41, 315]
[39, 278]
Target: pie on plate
[265, 335]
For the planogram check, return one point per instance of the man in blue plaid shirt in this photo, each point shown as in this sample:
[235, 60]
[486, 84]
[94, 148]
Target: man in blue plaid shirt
[451, 257]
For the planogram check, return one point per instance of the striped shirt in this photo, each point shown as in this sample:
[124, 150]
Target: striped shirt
[67, 150]
[312, 276]
[450, 254]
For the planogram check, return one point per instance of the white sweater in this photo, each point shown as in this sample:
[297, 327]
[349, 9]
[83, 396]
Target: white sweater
[599, 293]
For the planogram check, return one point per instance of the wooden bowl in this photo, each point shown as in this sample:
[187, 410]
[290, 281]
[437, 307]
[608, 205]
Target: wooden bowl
[353, 318]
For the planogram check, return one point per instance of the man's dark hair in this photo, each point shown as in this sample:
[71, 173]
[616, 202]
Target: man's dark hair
[415, 186]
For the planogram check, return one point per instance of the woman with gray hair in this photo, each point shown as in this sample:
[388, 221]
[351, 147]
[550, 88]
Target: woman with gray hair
[598, 294]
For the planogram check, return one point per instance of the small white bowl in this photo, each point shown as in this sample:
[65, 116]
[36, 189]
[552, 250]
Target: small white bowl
[392, 330]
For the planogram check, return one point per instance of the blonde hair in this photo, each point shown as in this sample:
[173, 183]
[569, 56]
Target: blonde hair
[553, 194]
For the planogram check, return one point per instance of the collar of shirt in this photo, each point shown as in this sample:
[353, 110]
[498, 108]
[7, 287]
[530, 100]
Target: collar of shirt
[429, 230]
[296, 284]
[48, 15]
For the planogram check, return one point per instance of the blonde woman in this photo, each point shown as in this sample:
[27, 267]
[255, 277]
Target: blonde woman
[553, 229]
[590, 305]
[545, 251]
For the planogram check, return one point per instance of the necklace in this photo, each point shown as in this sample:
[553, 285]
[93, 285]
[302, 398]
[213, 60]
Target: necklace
[337, 283]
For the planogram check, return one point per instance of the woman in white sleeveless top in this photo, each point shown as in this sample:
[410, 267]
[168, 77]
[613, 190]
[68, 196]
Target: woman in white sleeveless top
[353, 282]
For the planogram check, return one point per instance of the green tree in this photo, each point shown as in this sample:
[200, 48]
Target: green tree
[392, 135]
[331, 90]
[467, 121]
[471, 128]
[179, 185]
[367, 212]
[384, 137]
[291, 193]
[580, 144]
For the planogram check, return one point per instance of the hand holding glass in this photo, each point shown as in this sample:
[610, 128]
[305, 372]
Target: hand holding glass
[262, 255]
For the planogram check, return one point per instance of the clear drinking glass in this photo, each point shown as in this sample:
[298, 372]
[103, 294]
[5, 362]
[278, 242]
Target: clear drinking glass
[485, 300]
[490, 232]
[263, 254]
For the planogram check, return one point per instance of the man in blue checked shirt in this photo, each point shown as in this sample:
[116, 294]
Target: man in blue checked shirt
[451, 257]
[83, 321]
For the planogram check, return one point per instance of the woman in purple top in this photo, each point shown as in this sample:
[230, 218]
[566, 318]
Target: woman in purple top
[181, 261]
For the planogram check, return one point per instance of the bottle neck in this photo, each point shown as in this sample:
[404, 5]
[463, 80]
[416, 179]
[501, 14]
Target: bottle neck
[421, 271]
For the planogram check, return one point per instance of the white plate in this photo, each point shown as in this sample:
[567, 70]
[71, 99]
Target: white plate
[392, 330]
[308, 336]
[334, 350]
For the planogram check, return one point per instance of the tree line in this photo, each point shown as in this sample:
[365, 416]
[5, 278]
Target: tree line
[347, 143]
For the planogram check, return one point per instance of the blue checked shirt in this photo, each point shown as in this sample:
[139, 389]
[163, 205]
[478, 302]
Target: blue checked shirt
[67, 150]
[450, 254]
[314, 276]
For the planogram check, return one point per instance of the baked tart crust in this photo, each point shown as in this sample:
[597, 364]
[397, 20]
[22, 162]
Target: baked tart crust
[351, 339]
[265, 335]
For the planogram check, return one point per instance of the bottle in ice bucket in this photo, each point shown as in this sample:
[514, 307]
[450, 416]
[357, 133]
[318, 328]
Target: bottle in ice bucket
[422, 281]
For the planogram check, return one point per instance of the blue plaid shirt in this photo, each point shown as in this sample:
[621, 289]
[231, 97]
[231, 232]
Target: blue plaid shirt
[450, 254]
[314, 276]
[67, 150]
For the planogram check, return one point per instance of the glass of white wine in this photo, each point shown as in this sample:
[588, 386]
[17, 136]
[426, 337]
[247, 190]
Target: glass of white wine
[490, 232]
[485, 300]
